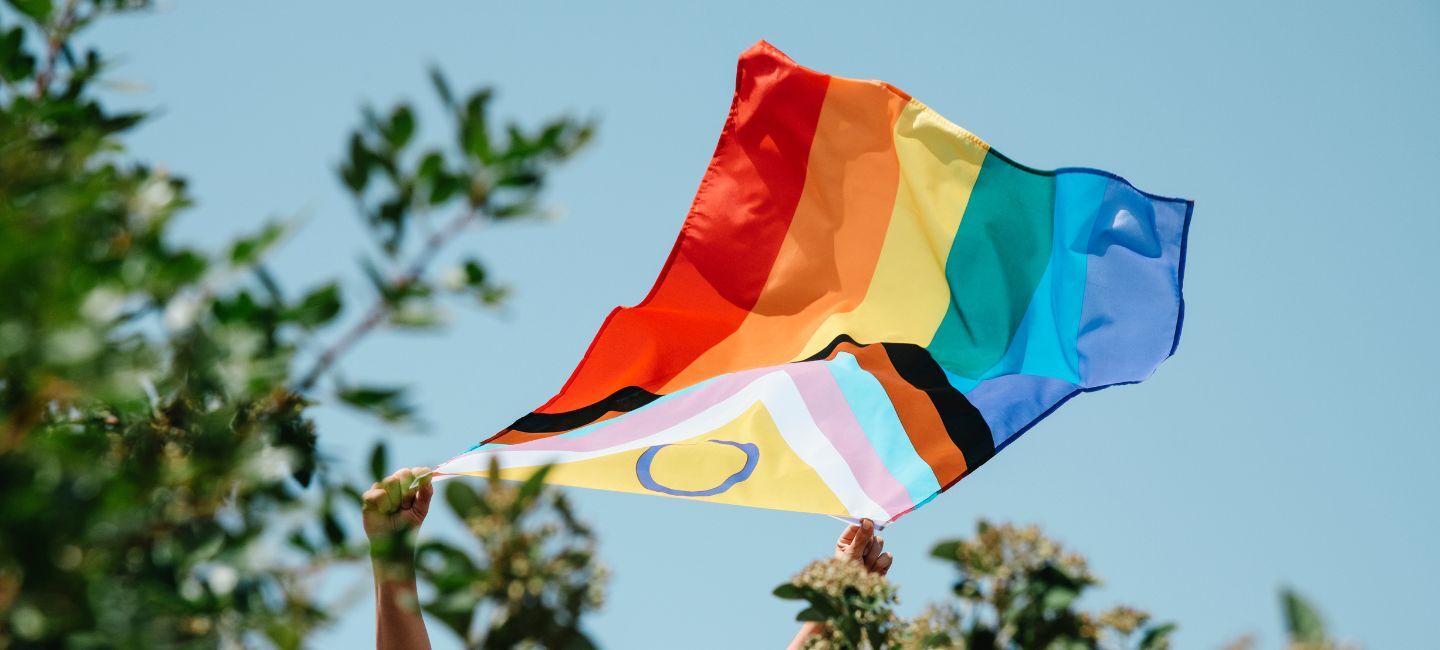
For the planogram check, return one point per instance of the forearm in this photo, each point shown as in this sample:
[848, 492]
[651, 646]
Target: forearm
[807, 630]
[398, 624]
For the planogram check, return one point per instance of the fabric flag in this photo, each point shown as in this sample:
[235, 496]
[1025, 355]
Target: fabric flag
[865, 303]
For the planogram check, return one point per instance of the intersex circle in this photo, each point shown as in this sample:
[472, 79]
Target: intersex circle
[642, 471]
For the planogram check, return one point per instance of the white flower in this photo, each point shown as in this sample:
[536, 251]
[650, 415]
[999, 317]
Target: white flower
[102, 305]
[155, 195]
[222, 579]
[454, 278]
[182, 310]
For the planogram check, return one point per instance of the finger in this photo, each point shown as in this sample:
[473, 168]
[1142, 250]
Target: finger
[373, 499]
[393, 492]
[882, 563]
[873, 551]
[422, 498]
[846, 540]
[425, 491]
[405, 478]
[856, 550]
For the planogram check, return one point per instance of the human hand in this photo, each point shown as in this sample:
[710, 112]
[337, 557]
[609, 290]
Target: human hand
[861, 544]
[393, 506]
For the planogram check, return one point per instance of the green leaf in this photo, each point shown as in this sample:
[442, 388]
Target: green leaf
[356, 172]
[529, 491]
[401, 127]
[812, 615]
[385, 403]
[442, 87]
[789, 591]
[15, 63]
[1302, 621]
[463, 499]
[456, 610]
[37, 10]
[1157, 638]
[379, 461]
[334, 532]
[475, 127]
[317, 307]
[947, 550]
[474, 273]
[431, 167]
[248, 250]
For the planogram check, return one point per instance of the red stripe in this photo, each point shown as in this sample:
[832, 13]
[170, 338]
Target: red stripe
[728, 243]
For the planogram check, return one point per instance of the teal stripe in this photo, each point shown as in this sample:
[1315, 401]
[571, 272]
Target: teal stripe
[882, 427]
[1045, 342]
[1001, 251]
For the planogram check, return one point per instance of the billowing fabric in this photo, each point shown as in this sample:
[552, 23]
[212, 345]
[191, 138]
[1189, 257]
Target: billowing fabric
[865, 303]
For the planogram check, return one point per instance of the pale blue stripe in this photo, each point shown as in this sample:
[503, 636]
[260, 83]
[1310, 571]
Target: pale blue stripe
[877, 417]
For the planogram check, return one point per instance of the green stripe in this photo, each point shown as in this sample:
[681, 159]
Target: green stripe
[1000, 252]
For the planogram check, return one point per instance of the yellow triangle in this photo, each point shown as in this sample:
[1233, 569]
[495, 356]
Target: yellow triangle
[780, 480]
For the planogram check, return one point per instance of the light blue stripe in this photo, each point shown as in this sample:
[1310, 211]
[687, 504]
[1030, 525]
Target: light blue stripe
[877, 417]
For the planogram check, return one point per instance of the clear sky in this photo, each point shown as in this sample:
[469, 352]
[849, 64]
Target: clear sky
[1290, 441]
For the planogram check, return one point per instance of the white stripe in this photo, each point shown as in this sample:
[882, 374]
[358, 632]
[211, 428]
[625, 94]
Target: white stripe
[776, 390]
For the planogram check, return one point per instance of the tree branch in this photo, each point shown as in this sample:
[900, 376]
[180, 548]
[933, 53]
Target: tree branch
[55, 41]
[375, 316]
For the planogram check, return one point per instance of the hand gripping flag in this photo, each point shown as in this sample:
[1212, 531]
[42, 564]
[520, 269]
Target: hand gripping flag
[865, 303]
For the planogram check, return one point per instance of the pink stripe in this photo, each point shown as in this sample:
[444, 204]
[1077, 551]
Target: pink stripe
[823, 399]
[835, 418]
[645, 421]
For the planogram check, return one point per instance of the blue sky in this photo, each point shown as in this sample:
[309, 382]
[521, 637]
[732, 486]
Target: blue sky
[1288, 442]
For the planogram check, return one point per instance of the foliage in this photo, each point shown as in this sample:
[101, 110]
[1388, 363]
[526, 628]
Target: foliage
[1305, 628]
[536, 577]
[161, 483]
[855, 606]
[1016, 589]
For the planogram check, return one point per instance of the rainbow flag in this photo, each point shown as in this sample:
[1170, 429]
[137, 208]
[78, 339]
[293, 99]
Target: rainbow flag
[865, 303]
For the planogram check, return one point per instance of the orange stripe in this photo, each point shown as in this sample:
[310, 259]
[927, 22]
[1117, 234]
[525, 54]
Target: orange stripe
[728, 244]
[917, 414]
[829, 253]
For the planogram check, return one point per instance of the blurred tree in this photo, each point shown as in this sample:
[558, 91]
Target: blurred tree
[1305, 628]
[1016, 590]
[160, 482]
[854, 605]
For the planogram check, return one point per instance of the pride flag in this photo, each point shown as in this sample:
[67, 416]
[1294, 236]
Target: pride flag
[865, 303]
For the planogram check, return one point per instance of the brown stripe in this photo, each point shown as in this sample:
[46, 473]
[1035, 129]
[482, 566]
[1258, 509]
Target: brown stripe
[916, 410]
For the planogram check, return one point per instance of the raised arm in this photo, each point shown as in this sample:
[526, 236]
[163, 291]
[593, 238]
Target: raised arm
[393, 512]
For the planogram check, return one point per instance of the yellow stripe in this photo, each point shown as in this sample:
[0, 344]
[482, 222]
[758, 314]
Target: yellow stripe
[908, 296]
[781, 481]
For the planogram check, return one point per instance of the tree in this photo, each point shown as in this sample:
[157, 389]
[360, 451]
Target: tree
[1015, 589]
[160, 479]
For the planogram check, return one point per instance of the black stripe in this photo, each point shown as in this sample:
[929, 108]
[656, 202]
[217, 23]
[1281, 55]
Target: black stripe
[830, 349]
[626, 399]
[967, 429]
[963, 422]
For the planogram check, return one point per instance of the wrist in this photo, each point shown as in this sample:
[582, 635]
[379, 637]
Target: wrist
[392, 558]
[390, 572]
